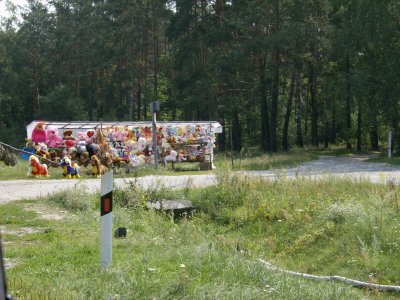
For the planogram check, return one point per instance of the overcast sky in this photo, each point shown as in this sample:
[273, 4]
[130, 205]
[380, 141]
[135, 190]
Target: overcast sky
[3, 12]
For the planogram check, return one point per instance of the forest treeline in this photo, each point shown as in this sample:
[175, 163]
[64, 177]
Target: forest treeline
[275, 73]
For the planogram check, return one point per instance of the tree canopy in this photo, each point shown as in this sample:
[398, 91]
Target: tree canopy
[275, 73]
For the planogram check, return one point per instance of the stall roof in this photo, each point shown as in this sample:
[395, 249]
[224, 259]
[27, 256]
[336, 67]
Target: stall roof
[86, 125]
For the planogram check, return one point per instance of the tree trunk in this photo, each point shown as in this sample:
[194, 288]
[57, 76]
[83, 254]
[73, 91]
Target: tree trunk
[236, 132]
[265, 130]
[359, 127]
[326, 124]
[285, 144]
[299, 132]
[275, 84]
[348, 105]
[333, 122]
[313, 93]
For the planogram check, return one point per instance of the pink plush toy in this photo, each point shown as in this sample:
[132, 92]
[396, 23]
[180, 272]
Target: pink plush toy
[39, 133]
[53, 139]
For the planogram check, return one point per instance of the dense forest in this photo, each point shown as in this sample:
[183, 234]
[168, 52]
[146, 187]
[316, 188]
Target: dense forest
[276, 73]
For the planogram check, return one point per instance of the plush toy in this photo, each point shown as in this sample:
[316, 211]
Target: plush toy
[81, 146]
[99, 136]
[42, 152]
[68, 138]
[97, 168]
[104, 147]
[80, 136]
[28, 150]
[84, 159]
[73, 154]
[70, 170]
[53, 139]
[55, 157]
[141, 144]
[36, 168]
[171, 156]
[39, 133]
[107, 160]
[90, 137]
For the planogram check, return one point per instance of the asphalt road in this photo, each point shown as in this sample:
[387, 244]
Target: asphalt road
[355, 168]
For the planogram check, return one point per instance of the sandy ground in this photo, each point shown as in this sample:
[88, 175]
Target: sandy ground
[355, 168]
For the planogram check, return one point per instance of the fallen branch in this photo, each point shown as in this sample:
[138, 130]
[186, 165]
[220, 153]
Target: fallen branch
[30, 153]
[356, 283]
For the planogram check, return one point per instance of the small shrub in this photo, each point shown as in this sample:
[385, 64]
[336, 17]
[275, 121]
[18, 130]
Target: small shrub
[77, 199]
[344, 212]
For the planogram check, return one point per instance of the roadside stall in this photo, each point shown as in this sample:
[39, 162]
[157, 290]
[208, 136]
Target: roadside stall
[126, 143]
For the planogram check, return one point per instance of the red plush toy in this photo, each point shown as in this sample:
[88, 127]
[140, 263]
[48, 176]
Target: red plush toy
[36, 168]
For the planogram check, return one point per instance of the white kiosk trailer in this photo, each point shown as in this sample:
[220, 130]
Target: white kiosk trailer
[177, 141]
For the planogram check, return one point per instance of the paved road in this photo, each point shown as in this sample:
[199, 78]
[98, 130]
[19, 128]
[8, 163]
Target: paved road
[352, 167]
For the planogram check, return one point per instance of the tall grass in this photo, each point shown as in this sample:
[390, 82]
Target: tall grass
[326, 227]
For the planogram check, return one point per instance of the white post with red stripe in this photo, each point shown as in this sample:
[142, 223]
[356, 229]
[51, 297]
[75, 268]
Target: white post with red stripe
[106, 220]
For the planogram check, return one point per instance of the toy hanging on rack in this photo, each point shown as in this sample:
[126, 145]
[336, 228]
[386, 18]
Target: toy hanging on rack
[36, 168]
[39, 133]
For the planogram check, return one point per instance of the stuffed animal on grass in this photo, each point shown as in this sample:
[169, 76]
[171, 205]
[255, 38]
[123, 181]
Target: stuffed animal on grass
[53, 139]
[36, 168]
[70, 170]
[39, 133]
[97, 168]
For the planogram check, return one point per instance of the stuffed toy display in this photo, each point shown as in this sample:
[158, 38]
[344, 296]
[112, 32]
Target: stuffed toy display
[39, 133]
[70, 169]
[123, 144]
[36, 168]
[53, 139]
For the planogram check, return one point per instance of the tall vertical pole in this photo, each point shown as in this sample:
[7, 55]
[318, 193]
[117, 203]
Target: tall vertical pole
[106, 220]
[155, 150]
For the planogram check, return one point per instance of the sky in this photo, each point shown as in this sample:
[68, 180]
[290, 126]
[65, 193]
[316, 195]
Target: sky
[3, 12]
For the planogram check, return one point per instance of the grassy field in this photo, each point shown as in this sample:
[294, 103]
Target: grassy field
[330, 227]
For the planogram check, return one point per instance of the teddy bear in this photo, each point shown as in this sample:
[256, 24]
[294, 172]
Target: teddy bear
[39, 133]
[68, 138]
[53, 139]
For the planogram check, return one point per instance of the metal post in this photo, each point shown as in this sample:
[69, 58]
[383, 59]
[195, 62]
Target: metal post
[154, 108]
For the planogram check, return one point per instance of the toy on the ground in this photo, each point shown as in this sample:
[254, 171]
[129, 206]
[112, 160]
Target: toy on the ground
[39, 133]
[97, 168]
[70, 170]
[36, 168]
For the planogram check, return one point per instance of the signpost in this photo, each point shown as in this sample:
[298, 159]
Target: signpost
[106, 220]
[154, 108]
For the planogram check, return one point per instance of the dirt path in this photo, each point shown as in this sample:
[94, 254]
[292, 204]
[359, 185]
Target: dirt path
[351, 167]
